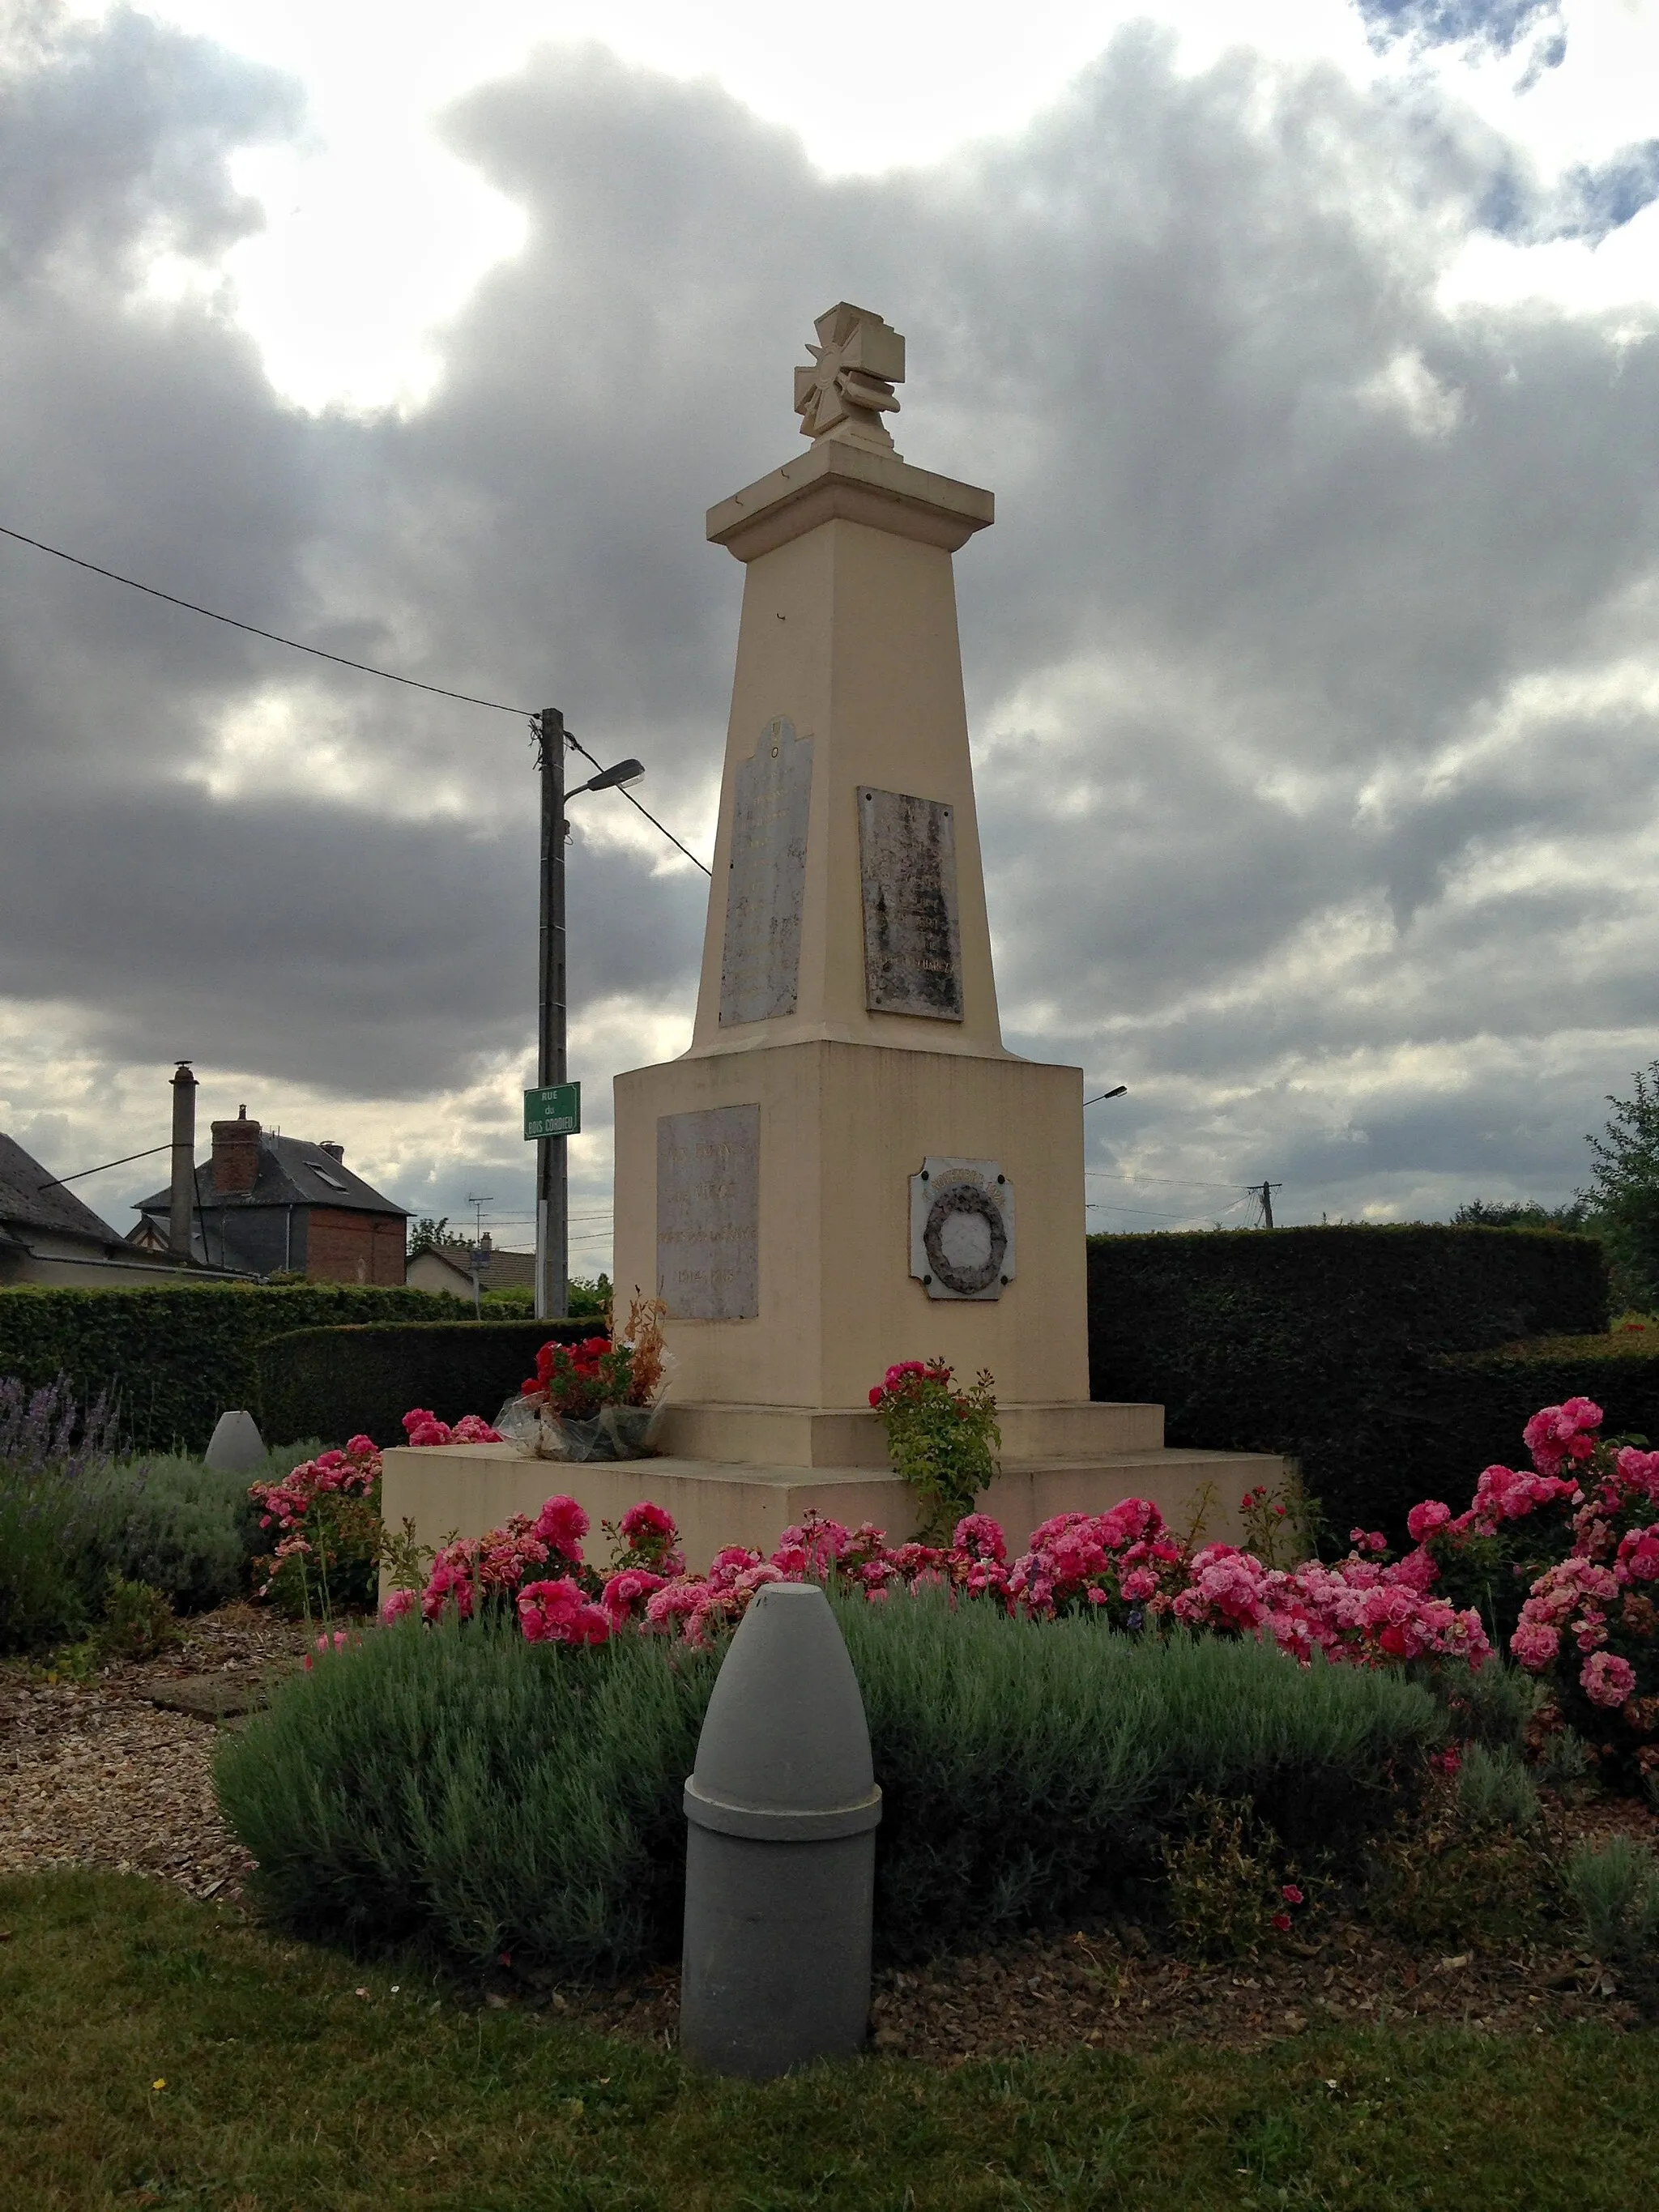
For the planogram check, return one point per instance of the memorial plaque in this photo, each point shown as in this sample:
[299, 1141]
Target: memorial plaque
[961, 1229]
[709, 1214]
[771, 799]
[912, 945]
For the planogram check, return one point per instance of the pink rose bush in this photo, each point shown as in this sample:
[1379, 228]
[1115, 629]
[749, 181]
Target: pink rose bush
[422, 1427]
[1123, 1567]
[1579, 1532]
[536, 1568]
[327, 1515]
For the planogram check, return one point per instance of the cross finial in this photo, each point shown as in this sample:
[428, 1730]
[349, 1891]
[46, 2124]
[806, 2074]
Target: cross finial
[858, 360]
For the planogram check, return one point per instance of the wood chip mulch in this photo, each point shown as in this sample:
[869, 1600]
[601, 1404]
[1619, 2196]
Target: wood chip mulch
[117, 1773]
[97, 1774]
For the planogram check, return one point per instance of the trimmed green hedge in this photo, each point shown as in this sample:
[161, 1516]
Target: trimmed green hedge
[178, 1357]
[361, 1380]
[1326, 1344]
[1478, 1402]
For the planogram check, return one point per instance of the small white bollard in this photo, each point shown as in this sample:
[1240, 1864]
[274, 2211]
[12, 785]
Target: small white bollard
[781, 1850]
[236, 1446]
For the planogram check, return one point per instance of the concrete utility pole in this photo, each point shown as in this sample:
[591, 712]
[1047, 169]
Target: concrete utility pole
[552, 1178]
[183, 1188]
[1265, 1193]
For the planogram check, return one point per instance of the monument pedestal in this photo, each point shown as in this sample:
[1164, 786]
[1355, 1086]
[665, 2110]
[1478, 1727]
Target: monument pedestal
[470, 1488]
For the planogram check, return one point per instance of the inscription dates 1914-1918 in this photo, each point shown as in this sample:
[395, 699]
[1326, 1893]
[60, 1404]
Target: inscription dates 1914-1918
[772, 799]
[912, 943]
[709, 1214]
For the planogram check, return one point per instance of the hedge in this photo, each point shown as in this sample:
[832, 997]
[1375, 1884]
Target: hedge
[178, 1357]
[1478, 1402]
[361, 1380]
[1324, 1344]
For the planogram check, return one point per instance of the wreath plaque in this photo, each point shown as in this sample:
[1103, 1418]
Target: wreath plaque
[961, 1229]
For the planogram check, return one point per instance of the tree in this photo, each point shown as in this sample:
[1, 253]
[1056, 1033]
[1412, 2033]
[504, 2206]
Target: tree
[427, 1235]
[1623, 1191]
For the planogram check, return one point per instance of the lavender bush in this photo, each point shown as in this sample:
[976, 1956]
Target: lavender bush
[72, 1514]
[56, 1510]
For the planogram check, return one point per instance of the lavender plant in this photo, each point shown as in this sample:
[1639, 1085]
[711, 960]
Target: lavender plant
[56, 1512]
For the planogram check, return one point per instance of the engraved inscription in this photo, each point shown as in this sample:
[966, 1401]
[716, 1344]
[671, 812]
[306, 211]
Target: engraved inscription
[912, 944]
[772, 798]
[709, 1214]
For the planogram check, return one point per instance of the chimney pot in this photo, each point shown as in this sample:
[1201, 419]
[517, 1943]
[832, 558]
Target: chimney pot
[334, 1152]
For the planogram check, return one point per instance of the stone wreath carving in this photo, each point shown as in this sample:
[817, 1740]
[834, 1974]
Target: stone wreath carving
[959, 1198]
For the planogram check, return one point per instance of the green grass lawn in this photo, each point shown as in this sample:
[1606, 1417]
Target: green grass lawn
[298, 2078]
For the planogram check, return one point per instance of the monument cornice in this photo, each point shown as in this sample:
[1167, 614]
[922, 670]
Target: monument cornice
[834, 481]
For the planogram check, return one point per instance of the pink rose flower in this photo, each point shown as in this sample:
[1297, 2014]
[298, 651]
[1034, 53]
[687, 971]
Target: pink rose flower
[1607, 1678]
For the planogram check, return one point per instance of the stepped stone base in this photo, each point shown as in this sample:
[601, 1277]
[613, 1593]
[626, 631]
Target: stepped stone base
[1069, 1458]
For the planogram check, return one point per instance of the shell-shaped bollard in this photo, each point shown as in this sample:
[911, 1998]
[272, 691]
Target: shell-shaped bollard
[781, 1850]
[236, 1446]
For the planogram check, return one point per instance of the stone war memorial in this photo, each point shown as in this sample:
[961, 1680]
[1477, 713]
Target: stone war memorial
[848, 1168]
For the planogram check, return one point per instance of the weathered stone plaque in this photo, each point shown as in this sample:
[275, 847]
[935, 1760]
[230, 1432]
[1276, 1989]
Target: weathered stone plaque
[709, 1214]
[962, 1228]
[772, 798]
[912, 945]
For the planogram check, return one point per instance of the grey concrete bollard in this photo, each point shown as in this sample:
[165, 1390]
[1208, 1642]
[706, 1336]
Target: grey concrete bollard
[236, 1446]
[781, 1850]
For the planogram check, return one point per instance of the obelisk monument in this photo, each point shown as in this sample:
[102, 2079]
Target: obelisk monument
[847, 1167]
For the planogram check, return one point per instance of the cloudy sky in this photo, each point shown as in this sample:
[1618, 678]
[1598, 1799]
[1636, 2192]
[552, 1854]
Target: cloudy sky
[1312, 665]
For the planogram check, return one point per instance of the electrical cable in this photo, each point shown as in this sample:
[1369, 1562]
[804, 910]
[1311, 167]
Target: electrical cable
[275, 637]
[578, 746]
[318, 652]
[57, 1181]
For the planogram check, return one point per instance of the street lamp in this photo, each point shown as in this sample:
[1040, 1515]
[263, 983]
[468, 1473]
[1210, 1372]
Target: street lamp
[1104, 1095]
[552, 1180]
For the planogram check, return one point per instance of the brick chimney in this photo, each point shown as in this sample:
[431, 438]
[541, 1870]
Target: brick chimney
[235, 1156]
[334, 1152]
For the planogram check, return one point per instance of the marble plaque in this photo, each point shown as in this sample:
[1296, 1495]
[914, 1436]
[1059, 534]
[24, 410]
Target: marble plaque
[912, 945]
[772, 798]
[709, 1214]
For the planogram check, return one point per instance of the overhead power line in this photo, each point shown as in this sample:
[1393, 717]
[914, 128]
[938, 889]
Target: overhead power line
[319, 653]
[1175, 1182]
[578, 746]
[273, 637]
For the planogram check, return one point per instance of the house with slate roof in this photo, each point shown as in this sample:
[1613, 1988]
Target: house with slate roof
[49, 1237]
[267, 1204]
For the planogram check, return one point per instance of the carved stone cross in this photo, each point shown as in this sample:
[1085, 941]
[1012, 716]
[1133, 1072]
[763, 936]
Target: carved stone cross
[844, 395]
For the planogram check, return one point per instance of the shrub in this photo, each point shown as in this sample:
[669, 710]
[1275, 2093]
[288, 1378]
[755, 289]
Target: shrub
[1227, 1894]
[1494, 1791]
[57, 1524]
[360, 1380]
[1615, 1886]
[175, 1358]
[1321, 1343]
[71, 1515]
[189, 1531]
[457, 1782]
[941, 1438]
[138, 1623]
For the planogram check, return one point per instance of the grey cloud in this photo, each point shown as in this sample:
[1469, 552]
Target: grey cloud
[1276, 532]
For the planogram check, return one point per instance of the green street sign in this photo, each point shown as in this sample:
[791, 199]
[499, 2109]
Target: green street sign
[555, 1110]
